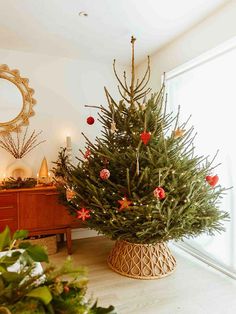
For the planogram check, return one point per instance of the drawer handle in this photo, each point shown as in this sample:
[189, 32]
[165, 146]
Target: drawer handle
[7, 219]
[6, 207]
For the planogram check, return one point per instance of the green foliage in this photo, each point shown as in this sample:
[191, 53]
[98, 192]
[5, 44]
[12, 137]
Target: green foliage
[12, 183]
[25, 291]
[36, 252]
[190, 206]
[5, 238]
[20, 234]
[42, 293]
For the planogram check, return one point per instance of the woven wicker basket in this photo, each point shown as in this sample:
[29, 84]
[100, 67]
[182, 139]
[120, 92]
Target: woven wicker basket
[141, 261]
[4, 310]
[49, 243]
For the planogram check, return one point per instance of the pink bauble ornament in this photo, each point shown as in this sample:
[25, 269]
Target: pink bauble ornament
[159, 193]
[104, 174]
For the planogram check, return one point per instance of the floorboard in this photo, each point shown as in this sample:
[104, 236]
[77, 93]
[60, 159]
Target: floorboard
[194, 288]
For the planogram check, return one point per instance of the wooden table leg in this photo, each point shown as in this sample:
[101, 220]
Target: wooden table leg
[68, 241]
[61, 235]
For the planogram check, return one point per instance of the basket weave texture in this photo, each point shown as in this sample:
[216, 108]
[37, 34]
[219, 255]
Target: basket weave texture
[49, 243]
[141, 261]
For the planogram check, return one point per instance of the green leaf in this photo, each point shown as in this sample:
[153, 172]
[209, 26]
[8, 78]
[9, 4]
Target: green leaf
[24, 245]
[101, 310]
[37, 253]
[9, 260]
[42, 293]
[10, 276]
[2, 269]
[20, 234]
[5, 238]
[2, 285]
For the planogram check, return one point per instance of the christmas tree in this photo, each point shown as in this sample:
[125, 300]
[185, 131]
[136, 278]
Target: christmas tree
[141, 181]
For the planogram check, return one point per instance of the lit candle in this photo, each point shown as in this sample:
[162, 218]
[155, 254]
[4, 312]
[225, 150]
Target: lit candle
[68, 142]
[37, 178]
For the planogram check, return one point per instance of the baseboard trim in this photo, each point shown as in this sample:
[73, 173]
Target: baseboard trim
[82, 233]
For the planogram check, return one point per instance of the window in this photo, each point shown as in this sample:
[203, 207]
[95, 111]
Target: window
[205, 88]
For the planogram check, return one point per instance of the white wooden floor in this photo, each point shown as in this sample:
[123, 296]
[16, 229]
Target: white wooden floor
[194, 288]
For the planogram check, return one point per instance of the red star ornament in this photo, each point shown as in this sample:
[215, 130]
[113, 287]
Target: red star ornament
[212, 180]
[145, 137]
[83, 214]
[124, 203]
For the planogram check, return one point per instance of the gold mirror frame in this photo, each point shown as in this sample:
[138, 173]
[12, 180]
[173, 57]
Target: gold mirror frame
[28, 101]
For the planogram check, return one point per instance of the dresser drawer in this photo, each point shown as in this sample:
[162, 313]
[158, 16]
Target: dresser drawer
[10, 222]
[8, 210]
[8, 201]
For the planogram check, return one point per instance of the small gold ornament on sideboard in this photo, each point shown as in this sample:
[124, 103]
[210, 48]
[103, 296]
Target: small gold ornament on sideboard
[43, 176]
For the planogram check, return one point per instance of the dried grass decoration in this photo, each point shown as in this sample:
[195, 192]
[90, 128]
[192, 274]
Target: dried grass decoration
[19, 145]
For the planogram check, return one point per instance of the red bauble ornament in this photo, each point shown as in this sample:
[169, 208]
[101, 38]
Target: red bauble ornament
[90, 120]
[212, 180]
[104, 174]
[83, 214]
[66, 289]
[159, 193]
[145, 137]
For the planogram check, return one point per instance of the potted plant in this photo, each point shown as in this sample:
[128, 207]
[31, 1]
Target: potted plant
[25, 287]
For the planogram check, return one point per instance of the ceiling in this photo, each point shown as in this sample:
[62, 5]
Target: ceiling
[54, 27]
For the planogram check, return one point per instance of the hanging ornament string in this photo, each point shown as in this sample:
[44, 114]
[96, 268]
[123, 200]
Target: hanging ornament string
[145, 122]
[113, 124]
[144, 105]
[137, 162]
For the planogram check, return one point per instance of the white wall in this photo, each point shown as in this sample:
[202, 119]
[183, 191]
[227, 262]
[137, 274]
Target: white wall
[211, 32]
[62, 88]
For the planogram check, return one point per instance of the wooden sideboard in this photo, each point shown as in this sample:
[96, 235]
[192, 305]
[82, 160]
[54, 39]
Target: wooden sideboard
[36, 210]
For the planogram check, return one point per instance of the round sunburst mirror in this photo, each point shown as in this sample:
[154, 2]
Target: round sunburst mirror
[16, 100]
